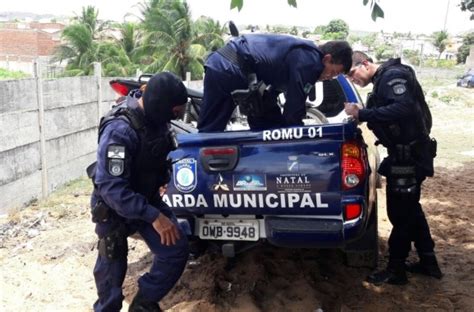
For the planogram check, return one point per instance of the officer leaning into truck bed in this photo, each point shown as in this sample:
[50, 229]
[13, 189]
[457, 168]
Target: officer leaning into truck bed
[132, 164]
[398, 115]
[267, 65]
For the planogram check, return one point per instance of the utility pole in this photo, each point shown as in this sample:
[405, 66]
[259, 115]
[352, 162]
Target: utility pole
[446, 16]
[421, 55]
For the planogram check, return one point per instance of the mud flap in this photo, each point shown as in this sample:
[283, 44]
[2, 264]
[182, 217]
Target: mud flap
[365, 252]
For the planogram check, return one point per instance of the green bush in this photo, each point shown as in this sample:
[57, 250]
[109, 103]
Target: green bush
[412, 56]
[9, 74]
[434, 94]
[439, 63]
[384, 52]
[449, 98]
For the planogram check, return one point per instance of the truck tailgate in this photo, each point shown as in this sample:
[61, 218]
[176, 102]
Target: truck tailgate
[289, 171]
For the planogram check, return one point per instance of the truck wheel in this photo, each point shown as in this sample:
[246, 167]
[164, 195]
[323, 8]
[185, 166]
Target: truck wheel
[365, 251]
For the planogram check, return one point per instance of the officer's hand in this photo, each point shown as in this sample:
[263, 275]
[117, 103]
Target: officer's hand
[352, 109]
[163, 189]
[168, 230]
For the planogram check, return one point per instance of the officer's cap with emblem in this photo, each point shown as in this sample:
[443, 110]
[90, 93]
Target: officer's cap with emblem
[163, 92]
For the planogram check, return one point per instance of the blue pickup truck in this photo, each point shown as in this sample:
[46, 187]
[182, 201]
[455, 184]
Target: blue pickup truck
[312, 186]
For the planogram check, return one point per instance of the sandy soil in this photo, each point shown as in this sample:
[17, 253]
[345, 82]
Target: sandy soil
[47, 250]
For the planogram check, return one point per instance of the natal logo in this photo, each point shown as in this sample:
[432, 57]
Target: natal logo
[293, 182]
[250, 182]
[184, 173]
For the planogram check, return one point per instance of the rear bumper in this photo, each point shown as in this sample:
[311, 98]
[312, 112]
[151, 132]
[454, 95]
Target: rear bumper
[298, 231]
[304, 233]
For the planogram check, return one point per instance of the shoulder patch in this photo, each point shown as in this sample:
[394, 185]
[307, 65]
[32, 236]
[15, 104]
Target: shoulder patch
[399, 89]
[397, 81]
[116, 159]
[116, 151]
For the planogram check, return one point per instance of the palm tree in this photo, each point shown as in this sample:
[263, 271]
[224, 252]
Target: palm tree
[170, 42]
[119, 56]
[81, 47]
[131, 37]
[80, 50]
[89, 16]
[209, 33]
[115, 61]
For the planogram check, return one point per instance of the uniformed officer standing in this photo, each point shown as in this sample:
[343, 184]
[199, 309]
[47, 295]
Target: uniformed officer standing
[132, 164]
[398, 115]
[268, 64]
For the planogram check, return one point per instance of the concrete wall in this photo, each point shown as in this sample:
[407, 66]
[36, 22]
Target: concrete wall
[36, 159]
[48, 133]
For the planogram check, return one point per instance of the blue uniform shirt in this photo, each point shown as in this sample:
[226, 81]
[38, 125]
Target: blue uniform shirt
[395, 103]
[397, 97]
[291, 65]
[117, 191]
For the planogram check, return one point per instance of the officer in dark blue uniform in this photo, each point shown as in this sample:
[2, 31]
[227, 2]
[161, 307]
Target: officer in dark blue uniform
[132, 165]
[268, 65]
[398, 115]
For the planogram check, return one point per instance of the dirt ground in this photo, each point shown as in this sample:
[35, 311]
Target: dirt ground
[47, 250]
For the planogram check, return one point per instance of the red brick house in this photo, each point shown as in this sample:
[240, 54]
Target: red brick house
[22, 43]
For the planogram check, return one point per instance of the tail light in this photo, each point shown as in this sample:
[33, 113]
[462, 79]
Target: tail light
[352, 165]
[120, 88]
[352, 211]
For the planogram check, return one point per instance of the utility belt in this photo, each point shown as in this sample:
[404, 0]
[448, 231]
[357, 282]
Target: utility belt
[402, 176]
[402, 179]
[418, 149]
[251, 101]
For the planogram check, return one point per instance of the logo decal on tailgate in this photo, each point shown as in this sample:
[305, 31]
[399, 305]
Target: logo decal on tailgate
[220, 185]
[250, 182]
[184, 173]
[293, 182]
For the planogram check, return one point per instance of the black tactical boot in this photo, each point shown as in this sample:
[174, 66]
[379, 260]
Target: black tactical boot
[139, 304]
[394, 274]
[428, 265]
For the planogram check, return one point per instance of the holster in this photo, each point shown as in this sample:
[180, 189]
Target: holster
[432, 147]
[114, 245]
[100, 212]
[251, 101]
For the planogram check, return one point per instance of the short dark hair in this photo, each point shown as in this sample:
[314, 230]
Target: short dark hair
[340, 51]
[358, 57]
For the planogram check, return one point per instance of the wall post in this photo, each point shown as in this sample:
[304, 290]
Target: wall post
[188, 79]
[98, 76]
[42, 136]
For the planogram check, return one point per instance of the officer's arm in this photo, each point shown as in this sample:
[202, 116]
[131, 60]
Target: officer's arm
[114, 173]
[304, 68]
[398, 100]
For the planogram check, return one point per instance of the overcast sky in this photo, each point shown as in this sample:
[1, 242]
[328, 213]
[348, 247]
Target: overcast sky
[417, 16]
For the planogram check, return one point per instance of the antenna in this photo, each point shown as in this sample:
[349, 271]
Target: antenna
[233, 29]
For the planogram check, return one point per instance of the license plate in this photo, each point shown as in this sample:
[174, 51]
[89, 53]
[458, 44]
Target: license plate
[225, 229]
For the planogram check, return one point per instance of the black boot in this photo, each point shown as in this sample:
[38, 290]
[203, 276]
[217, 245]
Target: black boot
[140, 304]
[394, 274]
[428, 265]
